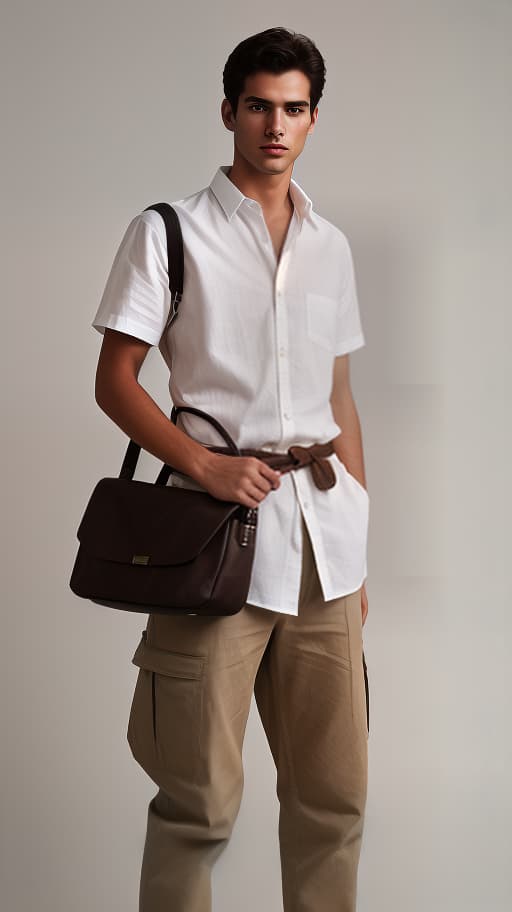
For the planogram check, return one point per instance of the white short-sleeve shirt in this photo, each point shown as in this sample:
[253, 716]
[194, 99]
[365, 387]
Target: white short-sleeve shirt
[254, 345]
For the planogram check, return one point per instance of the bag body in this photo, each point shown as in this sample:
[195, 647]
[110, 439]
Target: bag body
[154, 548]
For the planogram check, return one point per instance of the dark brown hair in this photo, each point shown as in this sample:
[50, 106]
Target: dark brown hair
[275, 50]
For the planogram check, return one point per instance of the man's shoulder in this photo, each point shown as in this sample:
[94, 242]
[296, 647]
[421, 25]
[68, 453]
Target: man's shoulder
[186, 204]
[329, 228]
[330, 232]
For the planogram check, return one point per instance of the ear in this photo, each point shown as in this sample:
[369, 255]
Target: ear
[314, 118]
[227, 115]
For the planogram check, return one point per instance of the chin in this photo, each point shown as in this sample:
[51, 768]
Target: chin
[277, 164]
[277, 169]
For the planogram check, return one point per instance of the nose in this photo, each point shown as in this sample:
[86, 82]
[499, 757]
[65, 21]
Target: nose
[275, 123]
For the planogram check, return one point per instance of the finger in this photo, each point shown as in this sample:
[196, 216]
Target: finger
[260, 485]
[273, 475]
[268, 480]
[248, 501]
[255, 491]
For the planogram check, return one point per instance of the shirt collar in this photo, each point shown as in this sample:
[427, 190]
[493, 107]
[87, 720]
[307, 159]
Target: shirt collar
[230, 197]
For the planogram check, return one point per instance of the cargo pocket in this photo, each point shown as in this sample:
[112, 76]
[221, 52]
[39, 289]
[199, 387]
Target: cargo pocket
[367, 692]
[164, 726]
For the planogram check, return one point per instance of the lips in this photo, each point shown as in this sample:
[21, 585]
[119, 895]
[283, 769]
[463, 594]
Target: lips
[272, 146]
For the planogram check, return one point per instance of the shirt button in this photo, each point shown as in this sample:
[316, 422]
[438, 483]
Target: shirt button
[286, 415]
[282, 352]
[306, 505]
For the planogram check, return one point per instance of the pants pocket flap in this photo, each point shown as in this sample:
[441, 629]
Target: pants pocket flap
[173, 664]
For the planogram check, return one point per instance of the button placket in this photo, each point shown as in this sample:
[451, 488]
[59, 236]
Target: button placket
[306, 494]
[282, 334]
[255, 214]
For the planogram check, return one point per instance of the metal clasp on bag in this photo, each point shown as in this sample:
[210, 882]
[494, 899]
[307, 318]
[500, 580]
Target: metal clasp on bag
[248, 526]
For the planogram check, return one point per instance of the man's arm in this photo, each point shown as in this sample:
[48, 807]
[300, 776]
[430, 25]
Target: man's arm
[242, 479]
[348, 444]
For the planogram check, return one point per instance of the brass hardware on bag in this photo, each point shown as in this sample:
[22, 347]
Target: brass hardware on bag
[248, 526]
[140, 559]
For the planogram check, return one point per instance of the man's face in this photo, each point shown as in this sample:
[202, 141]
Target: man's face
[272, 109]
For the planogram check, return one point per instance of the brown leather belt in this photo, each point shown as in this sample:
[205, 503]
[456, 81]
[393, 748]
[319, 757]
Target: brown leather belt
[297, 457]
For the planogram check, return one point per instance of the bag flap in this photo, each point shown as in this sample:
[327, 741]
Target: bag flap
[143, 523]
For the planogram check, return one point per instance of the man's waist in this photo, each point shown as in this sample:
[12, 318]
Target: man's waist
[296, 457]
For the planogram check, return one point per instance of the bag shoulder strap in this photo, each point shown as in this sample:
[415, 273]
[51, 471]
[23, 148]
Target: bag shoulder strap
[175, 256]
[175, 269]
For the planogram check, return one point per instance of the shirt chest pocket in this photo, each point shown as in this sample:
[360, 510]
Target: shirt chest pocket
[321, 320]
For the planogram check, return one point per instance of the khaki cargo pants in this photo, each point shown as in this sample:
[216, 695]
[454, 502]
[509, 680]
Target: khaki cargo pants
[186, 730]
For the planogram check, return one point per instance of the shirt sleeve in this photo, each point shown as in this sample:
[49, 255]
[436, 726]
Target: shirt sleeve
[136, 299]
[350, 334]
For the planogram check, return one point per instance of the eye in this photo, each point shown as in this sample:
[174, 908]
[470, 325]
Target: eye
[295, 110]
[256, 105]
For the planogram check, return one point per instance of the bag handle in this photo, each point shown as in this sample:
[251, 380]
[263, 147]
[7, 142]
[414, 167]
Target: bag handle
[133, 449]
[219, 427]
[166, 469]
[175, 269]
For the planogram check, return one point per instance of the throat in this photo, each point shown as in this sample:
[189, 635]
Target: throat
[278, 227]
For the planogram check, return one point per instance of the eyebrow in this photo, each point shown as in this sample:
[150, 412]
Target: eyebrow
[296, 104]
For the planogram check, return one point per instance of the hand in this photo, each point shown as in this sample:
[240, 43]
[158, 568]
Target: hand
[242, 479]
[364, 602]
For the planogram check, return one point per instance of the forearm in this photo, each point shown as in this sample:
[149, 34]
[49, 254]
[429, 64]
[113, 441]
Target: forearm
[349, 444]
[131, 407]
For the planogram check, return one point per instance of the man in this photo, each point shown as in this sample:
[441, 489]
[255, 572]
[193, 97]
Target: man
[268, 317]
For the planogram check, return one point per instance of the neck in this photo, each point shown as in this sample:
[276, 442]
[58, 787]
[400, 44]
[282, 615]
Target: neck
[270, 190]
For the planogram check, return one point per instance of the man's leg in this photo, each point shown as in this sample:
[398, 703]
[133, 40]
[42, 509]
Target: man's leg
[186, 730]
[311, 696]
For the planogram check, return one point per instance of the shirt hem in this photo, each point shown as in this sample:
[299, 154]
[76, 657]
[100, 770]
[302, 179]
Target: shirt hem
[351, 345]
[338, 595]
[348, 591]
[272, 608]
[127, 326]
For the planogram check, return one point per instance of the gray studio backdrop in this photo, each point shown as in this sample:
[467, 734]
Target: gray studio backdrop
[109, 107]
